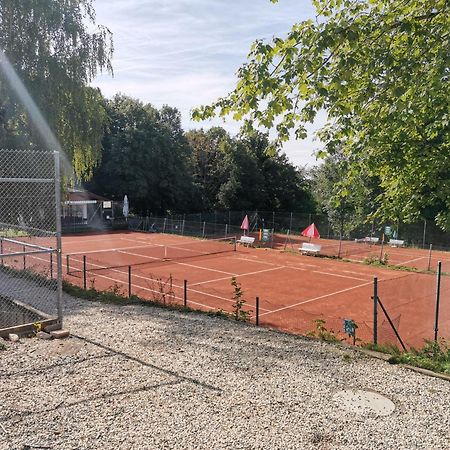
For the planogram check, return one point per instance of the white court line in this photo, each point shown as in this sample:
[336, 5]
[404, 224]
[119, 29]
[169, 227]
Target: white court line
[317, 298]
[337, 275]
[238, 276]
[115, 250]
[411, 260]
[179, 263]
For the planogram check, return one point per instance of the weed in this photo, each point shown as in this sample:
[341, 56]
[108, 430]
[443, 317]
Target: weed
[239, 302]
[346, 357]
[322, 333]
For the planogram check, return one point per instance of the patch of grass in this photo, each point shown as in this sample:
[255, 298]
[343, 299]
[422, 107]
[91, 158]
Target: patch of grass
[434, 355]
[389, 349]
[2, 346]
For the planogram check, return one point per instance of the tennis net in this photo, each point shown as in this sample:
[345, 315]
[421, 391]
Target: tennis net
[100, 260]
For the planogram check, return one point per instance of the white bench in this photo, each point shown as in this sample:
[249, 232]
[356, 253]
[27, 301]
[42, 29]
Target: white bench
[308, 248]
[246, 240]
[368, 239]
[396, 243]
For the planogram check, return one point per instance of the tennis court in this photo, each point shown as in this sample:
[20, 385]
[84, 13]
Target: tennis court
[293, 289]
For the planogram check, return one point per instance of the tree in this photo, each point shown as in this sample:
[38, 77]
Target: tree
[379, 68]
[145, 156]
[346, 211]
[52, 50]
[207, 149]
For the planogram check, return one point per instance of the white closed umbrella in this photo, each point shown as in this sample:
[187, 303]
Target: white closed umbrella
[126, 207]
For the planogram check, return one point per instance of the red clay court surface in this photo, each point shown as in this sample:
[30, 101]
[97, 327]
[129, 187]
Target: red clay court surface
[293, 289]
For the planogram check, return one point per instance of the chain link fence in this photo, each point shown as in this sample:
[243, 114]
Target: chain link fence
[30, 240]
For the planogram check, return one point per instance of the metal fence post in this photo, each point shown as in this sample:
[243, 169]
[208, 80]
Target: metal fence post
[429, 257]
[257, 311]
[59, 290]
[226, 230]
[185, 294]
[84, 272]
[438, 295]
[375, 310]
[129, 281]
[164, 224]
[203, 232]
[24, 258]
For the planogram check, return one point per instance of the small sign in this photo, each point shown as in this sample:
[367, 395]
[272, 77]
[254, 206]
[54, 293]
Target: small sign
[266, 235]
[350, 327]
[107, 205]
[387, 231]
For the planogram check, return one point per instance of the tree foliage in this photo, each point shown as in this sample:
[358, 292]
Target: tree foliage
[379, 68]
[146, 156]
[55, 54]
[239, 173]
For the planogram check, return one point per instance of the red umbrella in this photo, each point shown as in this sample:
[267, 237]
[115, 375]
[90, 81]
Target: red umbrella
[311, 231]
[245, 224]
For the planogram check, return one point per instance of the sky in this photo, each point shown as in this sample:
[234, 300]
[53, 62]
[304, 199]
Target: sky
[185, 53]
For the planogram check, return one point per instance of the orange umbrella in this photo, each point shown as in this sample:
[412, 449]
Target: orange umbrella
[311, 231]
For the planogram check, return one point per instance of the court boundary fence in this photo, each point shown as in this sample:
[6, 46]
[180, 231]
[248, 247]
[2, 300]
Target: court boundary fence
[381, 328]
[358, 249]
[30, 241]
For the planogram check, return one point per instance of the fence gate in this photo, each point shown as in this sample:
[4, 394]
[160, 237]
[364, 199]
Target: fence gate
[30, 240]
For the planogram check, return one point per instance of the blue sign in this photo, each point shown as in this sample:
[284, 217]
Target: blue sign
[350, 327]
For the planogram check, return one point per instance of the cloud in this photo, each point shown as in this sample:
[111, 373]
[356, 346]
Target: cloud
[185, 52]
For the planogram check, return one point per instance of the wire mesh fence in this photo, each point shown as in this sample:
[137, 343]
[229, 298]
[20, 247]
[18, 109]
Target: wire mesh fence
[30, 239]
[369, 247]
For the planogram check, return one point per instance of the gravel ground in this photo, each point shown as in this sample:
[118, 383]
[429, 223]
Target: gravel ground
[137, 377]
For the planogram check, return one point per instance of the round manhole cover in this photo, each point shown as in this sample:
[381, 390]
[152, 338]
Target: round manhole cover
[360, 401]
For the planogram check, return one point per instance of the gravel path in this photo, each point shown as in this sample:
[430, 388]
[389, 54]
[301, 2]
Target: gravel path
[146, 378]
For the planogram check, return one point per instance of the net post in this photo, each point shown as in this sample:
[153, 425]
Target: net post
[84, 272]
[429, 257]
[438, 295]
[257, 311]
[129, 281]
[24, 258]
[185, 294]
[203, 231]
[67, 264]
[375, 310]
[234, 244]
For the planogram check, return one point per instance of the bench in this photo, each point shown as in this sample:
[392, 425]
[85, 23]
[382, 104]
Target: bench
[371, 240]
[396, 243]
[246, 240]
[307, 248]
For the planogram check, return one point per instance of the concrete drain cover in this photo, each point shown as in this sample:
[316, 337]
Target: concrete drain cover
[360, 401]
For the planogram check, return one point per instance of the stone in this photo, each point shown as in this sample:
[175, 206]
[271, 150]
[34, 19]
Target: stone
[60, 334]
[43, 335]
[13, 337]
